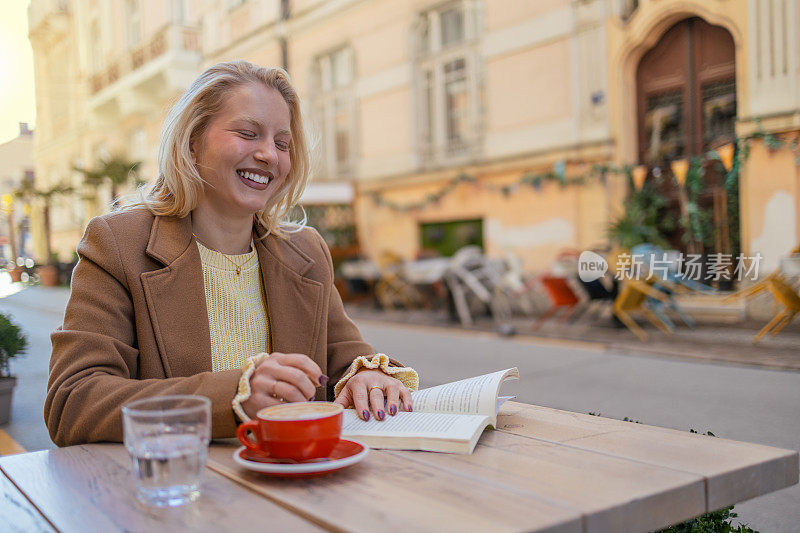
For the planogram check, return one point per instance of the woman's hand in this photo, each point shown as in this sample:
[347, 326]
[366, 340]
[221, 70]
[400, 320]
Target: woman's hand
[372, 388]
[281, 378]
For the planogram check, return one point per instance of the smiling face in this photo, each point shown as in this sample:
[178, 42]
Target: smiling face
[243, 156]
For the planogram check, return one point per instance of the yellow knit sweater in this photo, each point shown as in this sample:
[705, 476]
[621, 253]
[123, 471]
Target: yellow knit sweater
[237, 307]
[239, 323]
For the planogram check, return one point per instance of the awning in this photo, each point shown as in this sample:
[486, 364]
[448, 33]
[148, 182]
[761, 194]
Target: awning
[328, 193]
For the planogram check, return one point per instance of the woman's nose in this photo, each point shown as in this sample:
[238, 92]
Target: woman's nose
[267, 152]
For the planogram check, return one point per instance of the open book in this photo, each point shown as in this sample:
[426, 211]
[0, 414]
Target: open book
[446, 418]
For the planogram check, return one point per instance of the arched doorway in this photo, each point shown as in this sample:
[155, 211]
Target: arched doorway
[686, 106]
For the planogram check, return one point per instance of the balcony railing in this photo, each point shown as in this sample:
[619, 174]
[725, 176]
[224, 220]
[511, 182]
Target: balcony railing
[170, 38]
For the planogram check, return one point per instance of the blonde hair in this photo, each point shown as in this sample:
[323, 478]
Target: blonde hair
[178, 187]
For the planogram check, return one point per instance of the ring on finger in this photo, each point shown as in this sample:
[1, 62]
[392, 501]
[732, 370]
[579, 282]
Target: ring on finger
[374, 387]
[274, 394]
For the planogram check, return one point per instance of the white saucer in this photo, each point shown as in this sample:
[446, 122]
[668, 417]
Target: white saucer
[347, 452]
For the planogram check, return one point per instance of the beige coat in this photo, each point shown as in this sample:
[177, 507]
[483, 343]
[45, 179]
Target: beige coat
[136, 324]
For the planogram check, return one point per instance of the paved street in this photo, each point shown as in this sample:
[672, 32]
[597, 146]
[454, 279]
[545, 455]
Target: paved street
[744, 403]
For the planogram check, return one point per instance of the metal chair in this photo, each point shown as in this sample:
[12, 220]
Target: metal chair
[632, 298]
[785, 295]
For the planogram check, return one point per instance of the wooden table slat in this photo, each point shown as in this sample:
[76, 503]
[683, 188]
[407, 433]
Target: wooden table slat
[91, 488]
[614, 494]
[389, 493]
[18, 514]
[734, 471]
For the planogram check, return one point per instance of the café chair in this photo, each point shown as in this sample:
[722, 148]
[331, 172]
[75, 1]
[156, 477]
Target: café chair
[562, 298]
[391, 290]
[632, 298]
[598, 298]
[785, 295]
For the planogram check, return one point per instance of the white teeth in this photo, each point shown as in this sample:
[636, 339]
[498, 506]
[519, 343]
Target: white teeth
[258, 178]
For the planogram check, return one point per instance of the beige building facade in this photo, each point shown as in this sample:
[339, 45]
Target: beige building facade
[441, 123]
[16, 168]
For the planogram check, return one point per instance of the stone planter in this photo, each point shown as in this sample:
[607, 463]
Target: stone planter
[6, 389]
[48, 275]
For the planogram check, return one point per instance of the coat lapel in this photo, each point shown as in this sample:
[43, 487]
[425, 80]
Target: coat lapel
[295, 302]
[176, 299]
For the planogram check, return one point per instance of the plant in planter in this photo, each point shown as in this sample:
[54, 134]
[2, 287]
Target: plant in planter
[13, 343]
[643, 219]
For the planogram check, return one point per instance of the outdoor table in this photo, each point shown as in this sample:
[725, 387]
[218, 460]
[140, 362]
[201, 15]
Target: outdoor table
[541, 470]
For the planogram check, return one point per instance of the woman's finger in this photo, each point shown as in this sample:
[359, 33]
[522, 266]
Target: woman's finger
[287, 392]
[358, 391]
[295, 377]
[377, 400]
[405, 395]
[345, 398]
[303, 363]
[392, 391]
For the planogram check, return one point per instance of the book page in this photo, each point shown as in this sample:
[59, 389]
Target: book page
[476, 395]
[404, 425]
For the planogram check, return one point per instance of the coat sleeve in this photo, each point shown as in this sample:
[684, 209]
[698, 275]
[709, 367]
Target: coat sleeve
[94, 363]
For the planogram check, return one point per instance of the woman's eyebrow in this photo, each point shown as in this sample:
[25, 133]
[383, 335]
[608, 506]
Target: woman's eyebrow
[257, 124]
[249, 120]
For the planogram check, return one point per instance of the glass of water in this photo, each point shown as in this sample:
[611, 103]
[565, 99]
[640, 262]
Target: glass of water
[167, 438]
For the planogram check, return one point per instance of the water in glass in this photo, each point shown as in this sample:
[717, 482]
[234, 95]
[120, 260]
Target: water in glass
[167, 438]
[168, 468]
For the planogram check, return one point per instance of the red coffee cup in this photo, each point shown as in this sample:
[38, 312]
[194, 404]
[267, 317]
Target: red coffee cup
[298, 431]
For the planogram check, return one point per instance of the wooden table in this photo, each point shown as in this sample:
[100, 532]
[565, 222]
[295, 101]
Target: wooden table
[541, 470]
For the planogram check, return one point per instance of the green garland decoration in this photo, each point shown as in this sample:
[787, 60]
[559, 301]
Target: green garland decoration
[536, 180]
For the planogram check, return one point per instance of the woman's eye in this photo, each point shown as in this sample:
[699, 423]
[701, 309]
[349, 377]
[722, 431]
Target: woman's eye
[284, 147]
[248, 134]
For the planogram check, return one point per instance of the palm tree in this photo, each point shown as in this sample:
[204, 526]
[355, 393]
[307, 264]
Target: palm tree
[116, 170]
[27, 192]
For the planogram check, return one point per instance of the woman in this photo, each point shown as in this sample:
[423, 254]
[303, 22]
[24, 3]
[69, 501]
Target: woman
[178, 292]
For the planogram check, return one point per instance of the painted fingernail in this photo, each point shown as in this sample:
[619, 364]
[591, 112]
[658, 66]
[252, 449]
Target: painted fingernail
[311, 399]
[365, 415]
[381, 414]
[323, 380]
[392, 409]
[409, 408]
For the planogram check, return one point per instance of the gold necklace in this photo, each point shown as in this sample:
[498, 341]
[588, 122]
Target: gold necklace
[231, 261]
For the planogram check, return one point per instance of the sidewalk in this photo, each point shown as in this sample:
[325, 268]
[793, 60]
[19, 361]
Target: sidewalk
[709, 341]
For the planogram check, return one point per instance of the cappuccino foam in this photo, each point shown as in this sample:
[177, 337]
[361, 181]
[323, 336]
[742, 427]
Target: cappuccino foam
[299, 411]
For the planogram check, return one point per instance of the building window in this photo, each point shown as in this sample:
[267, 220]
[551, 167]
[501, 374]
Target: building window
[180, 11]
[336, 223]
[133, 18]
[334, 109]
[446, 238]
[449, 88]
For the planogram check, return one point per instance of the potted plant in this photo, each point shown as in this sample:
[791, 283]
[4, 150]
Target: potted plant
[13, 342]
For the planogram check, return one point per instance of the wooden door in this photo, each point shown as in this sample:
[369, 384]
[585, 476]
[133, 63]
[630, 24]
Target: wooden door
[686, 87]
[686, 106]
